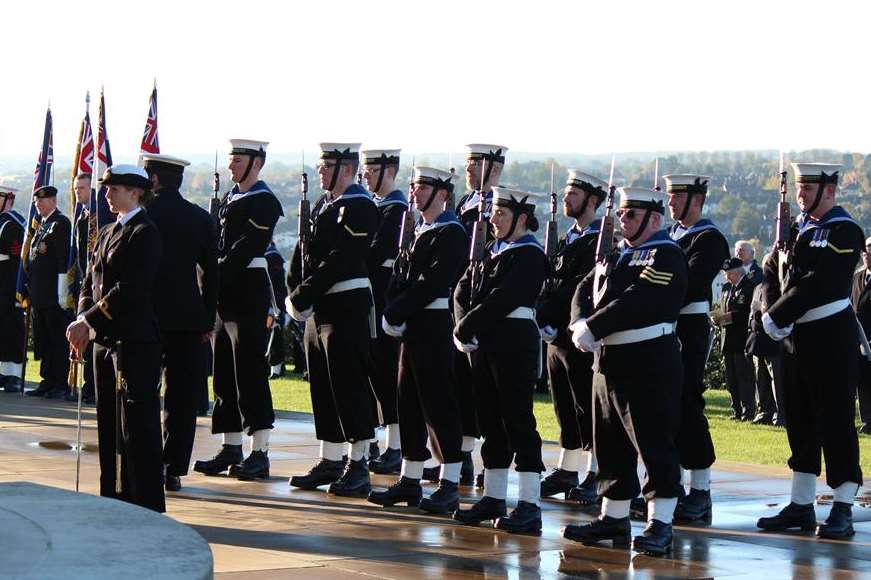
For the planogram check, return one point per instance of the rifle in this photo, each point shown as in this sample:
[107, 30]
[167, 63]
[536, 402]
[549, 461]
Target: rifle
[479, 239]
[406, 234]
[120, 387]
[304, 226]
[784, 221]
[550, 235]
[605, 243]
[656, 186]
[215, 203]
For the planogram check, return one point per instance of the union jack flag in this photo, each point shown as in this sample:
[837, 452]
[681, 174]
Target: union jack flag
[149, 137]
[41, 177]
[99, 205]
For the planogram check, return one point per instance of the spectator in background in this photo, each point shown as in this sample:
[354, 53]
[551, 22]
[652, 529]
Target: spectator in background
[732, 318]
[766, 358]
[745, 252]
[861, 299]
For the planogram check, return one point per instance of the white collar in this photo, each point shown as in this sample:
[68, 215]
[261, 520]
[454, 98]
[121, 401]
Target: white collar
[49, 215]
[129, 215]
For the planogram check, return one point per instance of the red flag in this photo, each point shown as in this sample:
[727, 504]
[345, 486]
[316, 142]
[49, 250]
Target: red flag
[149, 137]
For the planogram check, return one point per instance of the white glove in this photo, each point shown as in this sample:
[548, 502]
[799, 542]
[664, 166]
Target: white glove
[582, 336]
[548, 333]
[773, 330]
[300, 316]
[63, 292]
[466, 348]
[394, 331]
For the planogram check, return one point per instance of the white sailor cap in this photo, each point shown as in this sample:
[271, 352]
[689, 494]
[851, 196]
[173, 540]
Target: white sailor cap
[381, 156]
[248, 147]
[166, 163]
[641, 198]
[816, 172]
[494, 153]
[587, 182]
[515, 199]
[686, 183]
[349, 151]
[124, 174]
[7, 189]
[435, 177]
[868, 241]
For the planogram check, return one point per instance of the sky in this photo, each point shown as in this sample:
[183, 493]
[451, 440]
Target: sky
[543, 76]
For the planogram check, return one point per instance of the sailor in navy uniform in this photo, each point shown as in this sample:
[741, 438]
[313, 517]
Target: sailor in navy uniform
[248, 215]
[278, 317]
[116, 310]
[814, 314]
[627, 319]
[484, 164]
[185, 305]
[379, 170]
[499, 328]
[336, 291]
[705, 249]
[569, 370]
[12, 329]
[418, 313]
[47, 265]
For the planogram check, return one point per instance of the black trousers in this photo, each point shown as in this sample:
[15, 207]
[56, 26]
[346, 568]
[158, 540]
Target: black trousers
[570, 377]
[694, 441]
[766, 400]
[140, 445]
[88, 389]
[50, 345]
[741, 383]
[637, 414]
[464, 378]
[275, 352]
[243, 400]
[183, 373]
[337, 357]
[11, 331]
[504, 390]
[383, 377]
[864, 390]
[820, 381]
[428, 406]
[206, 361]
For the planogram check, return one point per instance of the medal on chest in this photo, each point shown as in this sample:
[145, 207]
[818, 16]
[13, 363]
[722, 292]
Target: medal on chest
[820, 238]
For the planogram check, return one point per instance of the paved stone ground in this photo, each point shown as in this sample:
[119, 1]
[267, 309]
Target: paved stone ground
[265, 530]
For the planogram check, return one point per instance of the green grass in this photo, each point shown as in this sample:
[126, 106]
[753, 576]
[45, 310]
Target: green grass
[733, 441]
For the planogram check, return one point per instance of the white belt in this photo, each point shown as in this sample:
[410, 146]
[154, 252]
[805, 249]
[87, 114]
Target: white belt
[257, 263]
[639, 334]
[437, 304]
[3, 257]
[388, 263]
[523, 313]
[824, 310]
[352, 284]
[696, 308]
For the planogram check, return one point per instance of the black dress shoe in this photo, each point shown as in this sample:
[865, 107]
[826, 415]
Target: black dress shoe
[585, 493]
[762, 419]
[324, 472]
[559, 481]
[486, 508]
[58, 393]
[228, 456]
[255, 466]
[839, 524]
[42, 390]
[467, 470]
[374, 452]
[638, 509]
[444, 500]
[524, 519]
[655, 540]
[389, 463]
[735, 416]
[479, 480]
[354, 481]
[13, 385]
[694, 507]
[792, 516]
[173, 483]
[406, 490]
[604, 529]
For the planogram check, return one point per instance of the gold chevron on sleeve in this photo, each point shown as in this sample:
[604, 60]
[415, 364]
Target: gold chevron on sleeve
[838, 250]
[353, 233]
[256, 225]
[666, 276]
